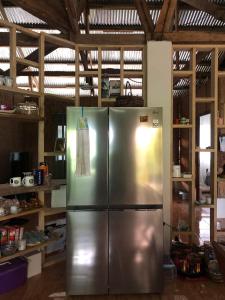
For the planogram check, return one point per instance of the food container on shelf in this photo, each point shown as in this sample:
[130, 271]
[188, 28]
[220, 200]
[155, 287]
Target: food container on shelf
[27, 108]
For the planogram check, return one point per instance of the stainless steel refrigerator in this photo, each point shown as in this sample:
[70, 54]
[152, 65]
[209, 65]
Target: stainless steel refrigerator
[115, 224]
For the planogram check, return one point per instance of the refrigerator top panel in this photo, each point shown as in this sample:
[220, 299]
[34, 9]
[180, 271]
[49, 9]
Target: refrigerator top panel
[87, 158]
[135, 156]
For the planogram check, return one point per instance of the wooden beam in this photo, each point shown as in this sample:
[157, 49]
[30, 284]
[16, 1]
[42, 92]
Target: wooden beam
[22, 40]
[46, 10]
[217, 11]
[145, 17]
[72, 13]
[194, 37]
[165, 21]
[110, 39]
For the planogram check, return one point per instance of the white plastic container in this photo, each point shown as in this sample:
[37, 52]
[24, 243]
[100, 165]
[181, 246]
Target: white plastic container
[176, 171]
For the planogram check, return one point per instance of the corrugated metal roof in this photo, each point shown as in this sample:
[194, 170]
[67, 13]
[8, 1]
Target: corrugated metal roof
[19, 15]
[197, 18]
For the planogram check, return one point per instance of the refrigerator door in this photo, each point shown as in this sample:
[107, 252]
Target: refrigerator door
[89, 190]
[135, 156]
[135, 251]
[87, 252]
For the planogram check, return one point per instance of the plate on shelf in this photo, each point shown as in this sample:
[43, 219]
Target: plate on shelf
[8, 111]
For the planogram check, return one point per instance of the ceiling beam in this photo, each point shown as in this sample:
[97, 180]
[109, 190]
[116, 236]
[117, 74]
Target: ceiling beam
[111, 39]
[216, 10]
[194, 37]
[72, 12]
[145, 17]
[46, 10]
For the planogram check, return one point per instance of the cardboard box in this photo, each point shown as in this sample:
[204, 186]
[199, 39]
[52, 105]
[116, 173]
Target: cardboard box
[34, 263]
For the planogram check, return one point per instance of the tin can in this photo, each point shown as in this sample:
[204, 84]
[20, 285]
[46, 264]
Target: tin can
[38, 176]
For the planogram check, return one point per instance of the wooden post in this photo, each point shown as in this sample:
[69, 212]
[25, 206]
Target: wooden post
[77, 77]
[193, 97]
[99, 76]
[121, 71]
[13, 55]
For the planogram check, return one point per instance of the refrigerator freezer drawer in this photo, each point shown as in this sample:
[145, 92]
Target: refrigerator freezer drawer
[87, 252]
[135, 251]
[135, 156]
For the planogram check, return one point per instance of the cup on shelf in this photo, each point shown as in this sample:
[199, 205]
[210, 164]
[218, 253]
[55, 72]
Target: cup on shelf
[15, 181]
[176, 171]
[208, 200]
[28, 180]
[22, 244]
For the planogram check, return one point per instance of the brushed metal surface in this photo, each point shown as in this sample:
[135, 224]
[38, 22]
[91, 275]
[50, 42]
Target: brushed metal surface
[93, 189]
[135, 251]
[87, 252]
[135, 156]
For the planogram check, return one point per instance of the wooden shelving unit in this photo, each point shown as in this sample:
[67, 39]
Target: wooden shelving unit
[41, 96]
[19, 117]
[54, 211]
[7, 189]
[195, 103]
[21, 214]
[26, 251]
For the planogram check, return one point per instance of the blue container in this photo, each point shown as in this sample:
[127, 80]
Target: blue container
[38, 176]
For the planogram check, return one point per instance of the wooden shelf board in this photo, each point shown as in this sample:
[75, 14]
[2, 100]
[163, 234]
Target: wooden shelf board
[221, 73]
[54, 211]
[108, 99]
[18, 91]
[54, 259]
[26, 251]
[90, 73]
[181, 179]
[177, 73]
[183, 232]
[54, 153]
[205, 206]
[58, 97]
[182, 125]
[205, 150]
[133, 73]
[220, 179]
[204, 99]
[16, 116]
[7, 189]
[221, 126]
[22, 213]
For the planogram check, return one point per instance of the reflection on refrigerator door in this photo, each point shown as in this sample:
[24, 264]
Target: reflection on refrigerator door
[135, 156]
[87, 252]
[135, 251]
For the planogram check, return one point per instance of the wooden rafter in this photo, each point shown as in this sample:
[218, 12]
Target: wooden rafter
[194, 37]
[216, 10]
[165, 21]
[72, 13]
[145, 17]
